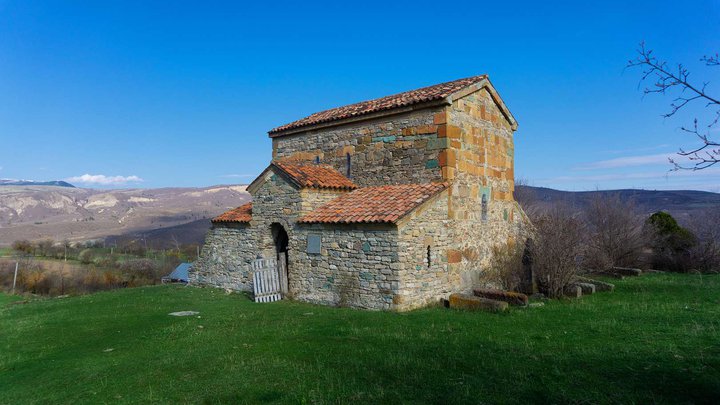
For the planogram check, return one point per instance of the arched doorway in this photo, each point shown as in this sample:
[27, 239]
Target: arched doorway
[281, 240]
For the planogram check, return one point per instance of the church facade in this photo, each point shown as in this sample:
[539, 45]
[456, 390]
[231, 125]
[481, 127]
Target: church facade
[392, 203]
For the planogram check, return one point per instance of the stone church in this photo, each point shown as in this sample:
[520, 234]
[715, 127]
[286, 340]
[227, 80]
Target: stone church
[392, 203]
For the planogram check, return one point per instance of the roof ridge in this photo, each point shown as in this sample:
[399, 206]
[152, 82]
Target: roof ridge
[405, 98]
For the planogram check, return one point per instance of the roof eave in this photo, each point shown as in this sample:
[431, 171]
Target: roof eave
[229, 222]
[359, 118]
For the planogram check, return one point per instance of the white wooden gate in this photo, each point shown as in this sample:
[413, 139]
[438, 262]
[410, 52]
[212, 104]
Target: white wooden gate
[266, 280]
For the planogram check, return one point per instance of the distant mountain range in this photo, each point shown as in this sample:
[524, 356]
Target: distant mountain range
[679, 203]
[58, 183]
[166, 216]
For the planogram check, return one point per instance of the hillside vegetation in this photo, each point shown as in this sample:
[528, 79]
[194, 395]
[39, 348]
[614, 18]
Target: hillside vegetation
[653, 340]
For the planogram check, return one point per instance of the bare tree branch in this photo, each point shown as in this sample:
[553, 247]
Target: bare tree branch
[664, 79]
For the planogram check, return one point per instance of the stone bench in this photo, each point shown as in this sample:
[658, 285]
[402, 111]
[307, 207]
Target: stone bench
[573, 291]
[599, 285]
[586, 288]
[626, 271]
[512, 298]
[473, 303]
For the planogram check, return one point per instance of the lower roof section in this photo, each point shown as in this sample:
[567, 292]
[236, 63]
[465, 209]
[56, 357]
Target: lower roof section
[241, 214]
[382, 204]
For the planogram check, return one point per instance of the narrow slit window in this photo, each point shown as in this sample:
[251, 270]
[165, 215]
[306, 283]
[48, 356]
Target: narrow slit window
[317, 160]
[348, 165]
[429, 261]
[484, 207]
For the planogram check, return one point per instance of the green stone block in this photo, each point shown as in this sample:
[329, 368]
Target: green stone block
[385, 139]
[487, 191]
[367, 276]
[505, 214]
[432, 164]
[366, 247]
[437, 143]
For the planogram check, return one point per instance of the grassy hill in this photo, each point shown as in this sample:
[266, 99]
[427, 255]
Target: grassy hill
[654, 340]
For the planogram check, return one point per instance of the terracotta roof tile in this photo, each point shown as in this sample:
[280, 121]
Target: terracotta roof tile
[241, 214]
[383, 204]
[316, 175]
[425, 94]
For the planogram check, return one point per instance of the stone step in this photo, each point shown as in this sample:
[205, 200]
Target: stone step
[473, 303]
[599, 285]
[573, 291]
[512, 298]
[627, 271]
[586, 288]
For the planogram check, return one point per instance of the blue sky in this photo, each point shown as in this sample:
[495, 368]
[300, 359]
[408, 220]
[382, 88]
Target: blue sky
[156, 94]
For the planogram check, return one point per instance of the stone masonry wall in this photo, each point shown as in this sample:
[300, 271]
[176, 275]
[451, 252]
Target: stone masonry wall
[479, 162]
[225, 256]
[423, 283]
[357, 266]
[397, 149]
[275, 201]
[314, 198]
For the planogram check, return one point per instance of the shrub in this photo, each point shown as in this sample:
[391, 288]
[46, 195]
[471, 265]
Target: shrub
[671, 243]
[86, 256]
[615, 234]
[557, 250]
[137, 270]
[23, 247]
[506, 268]
[704, 255]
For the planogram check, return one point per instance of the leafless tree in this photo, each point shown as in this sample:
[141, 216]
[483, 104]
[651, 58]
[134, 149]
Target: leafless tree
[665, 78]
[175, 243]
[705, 254]
[524, 195]
[616, 236]
[557, 249]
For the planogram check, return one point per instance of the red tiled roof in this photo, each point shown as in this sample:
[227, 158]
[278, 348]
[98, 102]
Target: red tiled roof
[425, 94]
[316, 175]
[241, 214]
[386, 204]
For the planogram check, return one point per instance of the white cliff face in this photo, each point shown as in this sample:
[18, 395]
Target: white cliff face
[19, 203]
[101, 201]
[36, 212]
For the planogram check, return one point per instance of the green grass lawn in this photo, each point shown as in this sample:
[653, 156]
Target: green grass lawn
[6, 299]
[656, 339]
